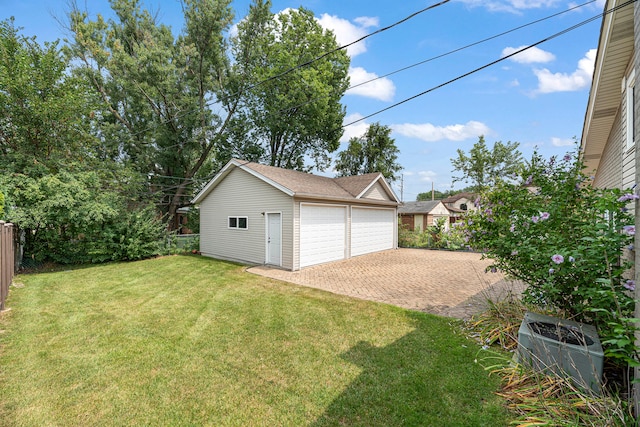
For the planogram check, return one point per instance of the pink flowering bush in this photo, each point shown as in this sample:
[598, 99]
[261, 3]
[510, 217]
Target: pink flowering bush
[568, 241]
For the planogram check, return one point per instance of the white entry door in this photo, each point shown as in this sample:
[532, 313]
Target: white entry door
[274, 239]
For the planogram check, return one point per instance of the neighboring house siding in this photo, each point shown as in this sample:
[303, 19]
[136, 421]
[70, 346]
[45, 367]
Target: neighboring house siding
[376, 192]
[256, 197]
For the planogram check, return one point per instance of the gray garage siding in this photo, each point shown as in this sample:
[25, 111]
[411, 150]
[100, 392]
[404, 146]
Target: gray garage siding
[241, 194]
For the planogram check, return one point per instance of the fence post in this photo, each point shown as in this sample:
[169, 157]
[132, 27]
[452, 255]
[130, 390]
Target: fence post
[7, 261]
[3, 266]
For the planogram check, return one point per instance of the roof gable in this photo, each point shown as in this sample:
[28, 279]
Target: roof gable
[456, 197]
[301, 184]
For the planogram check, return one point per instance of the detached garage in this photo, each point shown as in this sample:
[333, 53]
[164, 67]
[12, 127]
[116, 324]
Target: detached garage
[260, 214]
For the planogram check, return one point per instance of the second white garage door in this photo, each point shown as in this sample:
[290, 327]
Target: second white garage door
[372, 230]
[323, 234]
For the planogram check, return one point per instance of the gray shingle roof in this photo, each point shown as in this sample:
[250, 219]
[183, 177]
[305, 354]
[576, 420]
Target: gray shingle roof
[418, 207]
[303, 184]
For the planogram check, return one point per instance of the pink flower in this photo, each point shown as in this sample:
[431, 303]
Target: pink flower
[557, 258]
[544, 215]
[630, 285]
[627, 197]
[535, 219]
[629, 230]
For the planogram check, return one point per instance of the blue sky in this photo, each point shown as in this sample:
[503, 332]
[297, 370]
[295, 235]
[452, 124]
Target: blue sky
[537, 98]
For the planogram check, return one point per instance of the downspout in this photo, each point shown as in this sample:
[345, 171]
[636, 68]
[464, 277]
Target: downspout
[636, 43]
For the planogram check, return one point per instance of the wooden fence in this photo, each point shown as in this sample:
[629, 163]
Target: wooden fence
[7, 260]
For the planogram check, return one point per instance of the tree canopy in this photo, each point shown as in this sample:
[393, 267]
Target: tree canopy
[375, 151]
[176, 108]
[484, 167]
[439, 195]
[292, 111]
[70, 199]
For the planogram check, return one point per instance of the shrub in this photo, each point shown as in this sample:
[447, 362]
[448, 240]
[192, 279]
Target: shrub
[570, 242]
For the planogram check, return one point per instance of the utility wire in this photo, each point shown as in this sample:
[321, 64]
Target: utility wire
[602, 15]
[294, 68]
[473, 44]
[284, 110]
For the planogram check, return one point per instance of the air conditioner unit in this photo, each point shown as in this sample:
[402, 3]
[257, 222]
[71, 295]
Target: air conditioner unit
[563, 347]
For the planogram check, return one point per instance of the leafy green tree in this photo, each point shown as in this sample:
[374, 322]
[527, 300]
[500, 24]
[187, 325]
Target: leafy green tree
[178, 107]
[45, 114]
[375, 151]
[484, 167]
[439, 195]
[64, 192]
[157, 91]
[292, 112]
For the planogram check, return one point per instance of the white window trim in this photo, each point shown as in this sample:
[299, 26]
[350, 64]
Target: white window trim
[630, 83]
[237, 222]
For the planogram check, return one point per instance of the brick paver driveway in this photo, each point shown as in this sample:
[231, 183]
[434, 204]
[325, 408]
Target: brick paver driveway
[441, 282]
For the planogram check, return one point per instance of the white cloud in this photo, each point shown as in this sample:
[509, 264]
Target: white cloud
[347, 32]
[368, 21]
[382, 89]
[513, 6]
[427, 175]
[549, 82]
[529, 56]
[430, 133]
[356, 130]
[562, 142]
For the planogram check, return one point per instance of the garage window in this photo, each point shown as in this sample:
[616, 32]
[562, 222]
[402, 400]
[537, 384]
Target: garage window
[239, 222]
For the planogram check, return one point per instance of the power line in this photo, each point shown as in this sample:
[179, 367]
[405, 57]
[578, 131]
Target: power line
[290, 70]
[446, 53]
[473, 44]
[546, 39]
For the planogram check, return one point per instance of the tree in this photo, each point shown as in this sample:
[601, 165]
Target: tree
[483, 167]
[156, 91]
[292, 112]
[60, 187]
[177, 108]
[375, 151]
[44, 113]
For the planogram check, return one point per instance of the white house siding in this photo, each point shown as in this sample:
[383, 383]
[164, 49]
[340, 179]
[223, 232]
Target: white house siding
[376, 192]
[241, 194]
[609, 174]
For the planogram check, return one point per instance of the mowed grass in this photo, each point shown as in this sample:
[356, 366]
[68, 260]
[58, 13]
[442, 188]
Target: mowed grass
[191, 341]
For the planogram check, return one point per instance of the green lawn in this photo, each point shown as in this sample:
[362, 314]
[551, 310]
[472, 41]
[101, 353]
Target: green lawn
[187, 340]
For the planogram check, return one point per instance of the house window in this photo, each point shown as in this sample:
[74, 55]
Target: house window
[631, 109]
[239, 222]
[463, 206]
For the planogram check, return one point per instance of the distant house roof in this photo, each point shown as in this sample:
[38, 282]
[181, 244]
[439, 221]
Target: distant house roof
[422, 207]
[456, 197]
[301, 184]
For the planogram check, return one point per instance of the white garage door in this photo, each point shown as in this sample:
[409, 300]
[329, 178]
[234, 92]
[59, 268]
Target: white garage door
[323, 234]
[372, 230]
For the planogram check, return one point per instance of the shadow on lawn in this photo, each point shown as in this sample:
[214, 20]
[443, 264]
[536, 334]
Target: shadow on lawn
[427, 377]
